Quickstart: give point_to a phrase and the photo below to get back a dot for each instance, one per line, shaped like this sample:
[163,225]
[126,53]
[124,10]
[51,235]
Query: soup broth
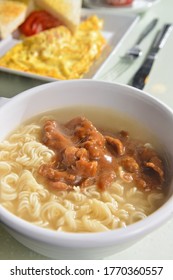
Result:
[27,194]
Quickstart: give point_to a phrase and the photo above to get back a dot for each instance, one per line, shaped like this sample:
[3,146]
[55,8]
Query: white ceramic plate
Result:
[115,30]
[138,6]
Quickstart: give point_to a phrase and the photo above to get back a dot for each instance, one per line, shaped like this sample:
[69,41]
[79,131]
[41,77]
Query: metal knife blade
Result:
[140,78]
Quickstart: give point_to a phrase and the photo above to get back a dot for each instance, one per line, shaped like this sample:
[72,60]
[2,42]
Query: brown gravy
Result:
[86,155]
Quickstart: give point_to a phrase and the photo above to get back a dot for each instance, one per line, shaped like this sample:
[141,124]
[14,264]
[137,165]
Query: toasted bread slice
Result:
[67,11]
[29,3]
[12,14]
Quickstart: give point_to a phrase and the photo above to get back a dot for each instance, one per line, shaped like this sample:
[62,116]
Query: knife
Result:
[140,78]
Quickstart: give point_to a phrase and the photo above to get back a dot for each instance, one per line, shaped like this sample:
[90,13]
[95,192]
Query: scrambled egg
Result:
[57,53]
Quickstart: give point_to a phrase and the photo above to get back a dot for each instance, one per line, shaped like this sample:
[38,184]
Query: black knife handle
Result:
[140,78]
[147,30]
[141,75]
[162,36]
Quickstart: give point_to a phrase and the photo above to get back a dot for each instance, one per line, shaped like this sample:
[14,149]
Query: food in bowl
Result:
[127,104]
[60,172]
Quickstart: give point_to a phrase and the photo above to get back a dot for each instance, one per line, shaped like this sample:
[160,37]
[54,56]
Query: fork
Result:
[136,51]
[131,54]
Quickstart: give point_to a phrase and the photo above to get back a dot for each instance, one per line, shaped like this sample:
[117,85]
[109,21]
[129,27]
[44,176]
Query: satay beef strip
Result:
[85,156]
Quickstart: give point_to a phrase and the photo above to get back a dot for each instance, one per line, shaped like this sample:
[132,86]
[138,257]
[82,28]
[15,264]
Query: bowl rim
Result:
[96,239]
[143,95]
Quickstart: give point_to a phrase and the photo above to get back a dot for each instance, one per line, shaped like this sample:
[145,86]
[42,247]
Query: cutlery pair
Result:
[140,78]
[136,50]
[133,53]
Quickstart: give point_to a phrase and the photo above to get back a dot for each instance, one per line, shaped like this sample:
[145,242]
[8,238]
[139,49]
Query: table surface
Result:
[159,244]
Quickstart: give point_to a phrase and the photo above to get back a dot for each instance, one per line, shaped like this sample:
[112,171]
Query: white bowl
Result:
[136,104]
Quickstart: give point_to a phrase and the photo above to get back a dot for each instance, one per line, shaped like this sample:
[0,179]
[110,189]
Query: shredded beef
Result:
[85,156]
